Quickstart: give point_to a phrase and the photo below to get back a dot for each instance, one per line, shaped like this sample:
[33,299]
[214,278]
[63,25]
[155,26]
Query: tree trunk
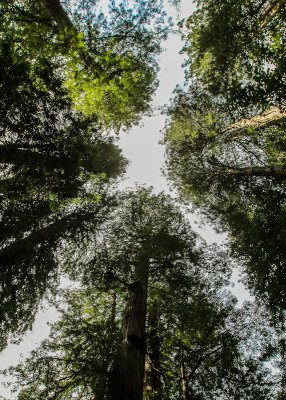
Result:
[152,381]
[277,170]
[186,393]
[185,380]
[57,12]
[70,33]
[126,380]
[268,118]
[269,13]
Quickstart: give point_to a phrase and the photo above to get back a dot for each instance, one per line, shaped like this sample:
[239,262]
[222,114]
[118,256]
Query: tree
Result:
[55,166]
[236,178]
[30,260]
[76,358]
[146,243]
[107,63]
[152,236]
[237,50]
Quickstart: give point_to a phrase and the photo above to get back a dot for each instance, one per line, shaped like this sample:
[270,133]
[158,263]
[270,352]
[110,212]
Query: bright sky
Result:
[141,147]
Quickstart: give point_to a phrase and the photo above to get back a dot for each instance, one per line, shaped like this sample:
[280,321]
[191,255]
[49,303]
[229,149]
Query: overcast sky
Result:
[141,147]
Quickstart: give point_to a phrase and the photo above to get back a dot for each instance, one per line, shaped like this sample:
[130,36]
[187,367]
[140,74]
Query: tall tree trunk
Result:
[276,170]
[70,33]
[185,381]
[152,381]
[273,116]
[126,380]
[57,12]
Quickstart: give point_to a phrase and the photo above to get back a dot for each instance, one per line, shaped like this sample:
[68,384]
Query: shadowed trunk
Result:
[58,13]
[153,374]
[126,380]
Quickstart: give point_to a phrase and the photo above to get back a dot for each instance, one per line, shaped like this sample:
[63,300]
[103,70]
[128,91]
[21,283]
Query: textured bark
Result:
[186,393]
[277,170]
[126,380]
[268,118]
[185,381]
[152,382]
[58,14]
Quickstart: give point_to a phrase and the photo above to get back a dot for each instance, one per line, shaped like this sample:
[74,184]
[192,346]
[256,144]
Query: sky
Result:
[140,145]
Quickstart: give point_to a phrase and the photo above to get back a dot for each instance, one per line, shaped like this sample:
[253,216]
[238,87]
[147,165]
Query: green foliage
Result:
[237,48]
[54,162]
[33,240]
[190,319]
[106,62]
[230,176]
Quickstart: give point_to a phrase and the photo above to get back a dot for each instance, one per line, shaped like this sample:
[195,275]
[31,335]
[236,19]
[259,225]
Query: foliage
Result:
[107,62]
[237,48]
[193,315]
[33,238]
[232,178]
[74,361]
[55,166]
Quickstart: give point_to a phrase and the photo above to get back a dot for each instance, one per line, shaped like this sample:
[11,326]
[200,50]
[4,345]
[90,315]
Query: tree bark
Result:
[276,170]
[70,33]
[186,393]
[269,13]
[273,116]
[152,381]
[185,381]
[57,12]
[126,380]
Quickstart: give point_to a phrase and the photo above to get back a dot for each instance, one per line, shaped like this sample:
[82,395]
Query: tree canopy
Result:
[70,73]
[192,335]
[150,316]
[236,177]
[237,48]
[225,133]
[106,60]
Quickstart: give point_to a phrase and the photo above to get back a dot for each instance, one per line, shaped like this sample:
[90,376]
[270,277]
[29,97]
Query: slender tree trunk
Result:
[185,381]
[152,381]
[186,393]
[269,13]
[277,170]
[126,380]
[274,116]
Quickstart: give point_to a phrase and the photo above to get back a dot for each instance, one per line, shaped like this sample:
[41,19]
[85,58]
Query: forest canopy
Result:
[225,134]
[146,311]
